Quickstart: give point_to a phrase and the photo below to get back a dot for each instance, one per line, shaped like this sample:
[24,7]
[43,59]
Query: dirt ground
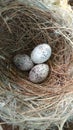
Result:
[71,2]
[9,127]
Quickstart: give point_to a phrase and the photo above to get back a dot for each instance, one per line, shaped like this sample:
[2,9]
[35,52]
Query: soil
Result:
[9,127]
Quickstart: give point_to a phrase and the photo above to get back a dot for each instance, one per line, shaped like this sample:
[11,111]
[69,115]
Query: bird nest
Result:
[22,102]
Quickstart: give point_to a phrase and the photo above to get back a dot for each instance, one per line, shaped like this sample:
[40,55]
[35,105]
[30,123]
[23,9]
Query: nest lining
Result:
[22,102]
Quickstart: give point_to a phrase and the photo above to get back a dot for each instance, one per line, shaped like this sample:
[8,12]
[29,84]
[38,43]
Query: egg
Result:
[39,73]
[23,62]
[41,53]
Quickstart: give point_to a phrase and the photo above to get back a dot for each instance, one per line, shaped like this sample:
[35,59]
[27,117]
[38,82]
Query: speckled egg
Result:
[23,62]
[39,73]
[41,53]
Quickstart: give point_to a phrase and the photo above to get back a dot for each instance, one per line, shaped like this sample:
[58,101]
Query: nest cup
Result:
[22,102]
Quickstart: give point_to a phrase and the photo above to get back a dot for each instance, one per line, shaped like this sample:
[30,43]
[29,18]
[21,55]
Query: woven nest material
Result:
[23,103]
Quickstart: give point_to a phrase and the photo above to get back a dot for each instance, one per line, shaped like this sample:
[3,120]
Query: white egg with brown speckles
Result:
[41,53]
[23,62]
[39,73]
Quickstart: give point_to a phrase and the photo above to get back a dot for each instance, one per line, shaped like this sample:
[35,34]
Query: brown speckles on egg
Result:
[23,62]
[39,73]
[41,53]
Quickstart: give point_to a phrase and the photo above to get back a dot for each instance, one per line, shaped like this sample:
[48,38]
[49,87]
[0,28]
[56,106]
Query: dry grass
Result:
[21,102]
